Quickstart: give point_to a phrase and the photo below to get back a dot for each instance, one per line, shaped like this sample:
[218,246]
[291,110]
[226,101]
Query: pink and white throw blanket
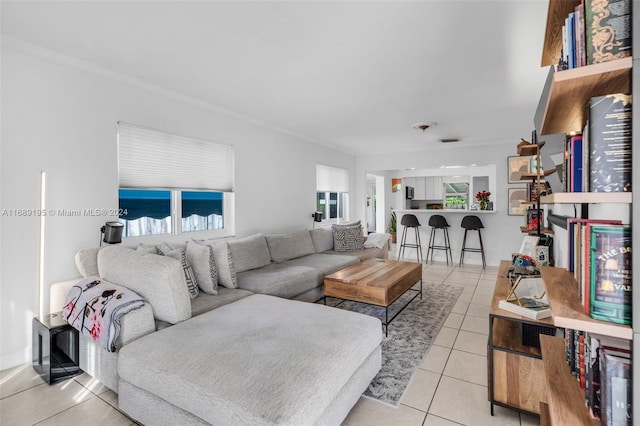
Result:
[94,307]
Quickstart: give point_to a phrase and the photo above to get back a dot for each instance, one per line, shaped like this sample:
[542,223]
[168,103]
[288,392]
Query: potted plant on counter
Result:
[483,199]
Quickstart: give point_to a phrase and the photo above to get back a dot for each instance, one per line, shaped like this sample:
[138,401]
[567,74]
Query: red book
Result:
[578,254]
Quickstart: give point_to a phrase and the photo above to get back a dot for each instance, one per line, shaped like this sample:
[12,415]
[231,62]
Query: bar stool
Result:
[410,221]
[472,223]
[438,221]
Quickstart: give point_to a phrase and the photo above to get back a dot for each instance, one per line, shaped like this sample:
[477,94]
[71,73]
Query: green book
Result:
[610,277]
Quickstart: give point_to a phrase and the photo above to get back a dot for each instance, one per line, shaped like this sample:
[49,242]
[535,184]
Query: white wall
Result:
[59,115]
[501,235]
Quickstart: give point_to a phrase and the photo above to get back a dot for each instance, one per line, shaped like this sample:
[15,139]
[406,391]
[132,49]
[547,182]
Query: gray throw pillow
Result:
[200,256]
[249,252]
[290,246]
[348,238]
[322,238]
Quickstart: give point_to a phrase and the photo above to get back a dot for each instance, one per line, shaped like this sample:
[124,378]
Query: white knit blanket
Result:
[377,240]
[94,307]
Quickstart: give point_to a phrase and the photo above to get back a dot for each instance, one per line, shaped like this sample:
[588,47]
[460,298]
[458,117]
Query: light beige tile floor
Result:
[449,387]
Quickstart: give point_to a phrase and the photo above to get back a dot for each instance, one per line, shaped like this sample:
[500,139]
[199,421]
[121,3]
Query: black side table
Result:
[55,348]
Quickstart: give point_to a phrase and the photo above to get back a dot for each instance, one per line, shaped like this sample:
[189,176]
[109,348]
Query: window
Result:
[456,195]
[332,197]
[202,211]
[172,184]
[148,212]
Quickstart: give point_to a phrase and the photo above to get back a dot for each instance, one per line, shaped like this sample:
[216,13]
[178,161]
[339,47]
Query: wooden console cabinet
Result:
[515,368]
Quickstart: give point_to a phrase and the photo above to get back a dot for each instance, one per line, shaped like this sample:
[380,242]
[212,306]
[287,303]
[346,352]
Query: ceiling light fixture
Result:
[449,140]
[423,126]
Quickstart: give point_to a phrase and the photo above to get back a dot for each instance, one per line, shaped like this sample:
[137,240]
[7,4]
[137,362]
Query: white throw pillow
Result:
[224,263]
[180,255]
[200,256]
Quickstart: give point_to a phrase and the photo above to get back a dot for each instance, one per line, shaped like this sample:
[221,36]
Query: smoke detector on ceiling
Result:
[423,126]
[449,140]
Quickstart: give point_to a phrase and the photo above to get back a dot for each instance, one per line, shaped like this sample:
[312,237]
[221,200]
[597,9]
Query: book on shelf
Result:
[595,31]
[584,356]
[574,254]
[534,310]
[610,143]
[578,254]
[569,347]
[532,215]
[528,297]
[585,158]
[615,387]
[610,273]
[575,155]
[575,166]
[608,30]
[580,36]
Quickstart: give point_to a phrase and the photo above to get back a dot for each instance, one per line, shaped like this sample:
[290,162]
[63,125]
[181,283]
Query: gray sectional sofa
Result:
[235,353]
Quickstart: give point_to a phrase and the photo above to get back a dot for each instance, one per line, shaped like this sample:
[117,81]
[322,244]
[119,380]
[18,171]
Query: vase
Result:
[483,204]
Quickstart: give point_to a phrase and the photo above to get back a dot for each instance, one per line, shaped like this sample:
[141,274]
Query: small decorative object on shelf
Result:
[528,297]
[483,199]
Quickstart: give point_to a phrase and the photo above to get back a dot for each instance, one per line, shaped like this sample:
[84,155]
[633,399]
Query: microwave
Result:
[409,192]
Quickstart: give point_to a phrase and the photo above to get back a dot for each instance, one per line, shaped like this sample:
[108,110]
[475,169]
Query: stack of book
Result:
[599,255]
[596,31]
[599,159]
[602,366]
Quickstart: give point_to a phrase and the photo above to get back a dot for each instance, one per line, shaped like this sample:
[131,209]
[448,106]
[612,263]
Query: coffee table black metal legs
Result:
[387,321]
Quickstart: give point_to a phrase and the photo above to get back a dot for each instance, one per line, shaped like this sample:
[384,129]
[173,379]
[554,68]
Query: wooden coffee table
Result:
[375,282]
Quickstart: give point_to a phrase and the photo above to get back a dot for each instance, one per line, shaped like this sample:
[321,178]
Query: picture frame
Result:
[396,184]
[515,196]
[516,166]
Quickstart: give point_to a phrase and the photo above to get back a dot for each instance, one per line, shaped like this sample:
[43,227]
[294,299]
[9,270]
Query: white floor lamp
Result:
[43,180]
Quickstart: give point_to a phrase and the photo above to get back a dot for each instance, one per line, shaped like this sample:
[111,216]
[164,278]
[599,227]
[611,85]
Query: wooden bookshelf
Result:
[545,231]
[587,198]
[534,176]
[516,371]
[564,397]
[566,108]
[526,150]
[567,311]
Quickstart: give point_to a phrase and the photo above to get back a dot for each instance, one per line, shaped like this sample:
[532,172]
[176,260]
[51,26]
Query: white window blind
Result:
[149,158]
[331,179]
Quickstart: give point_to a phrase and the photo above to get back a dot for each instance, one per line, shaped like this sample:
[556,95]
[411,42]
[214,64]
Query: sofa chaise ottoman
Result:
[261,360]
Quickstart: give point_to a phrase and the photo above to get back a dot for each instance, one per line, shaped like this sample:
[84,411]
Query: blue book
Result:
[571,40]
[576,164]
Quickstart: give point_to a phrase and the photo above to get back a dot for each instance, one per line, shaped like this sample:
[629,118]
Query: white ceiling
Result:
[349,74]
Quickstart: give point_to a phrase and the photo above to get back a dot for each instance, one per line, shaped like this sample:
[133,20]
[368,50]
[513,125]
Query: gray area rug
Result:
[410,335]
